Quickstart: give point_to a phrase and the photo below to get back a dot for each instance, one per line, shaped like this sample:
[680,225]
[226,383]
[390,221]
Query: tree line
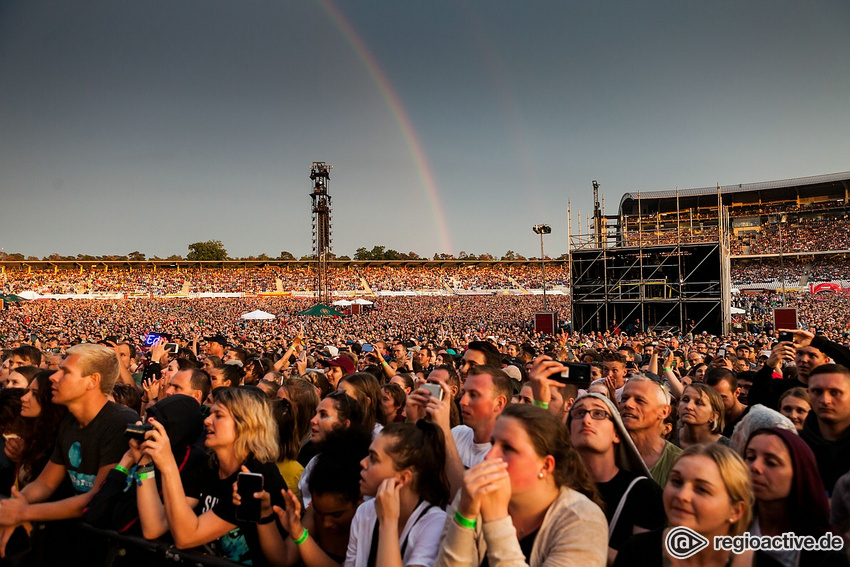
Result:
[214,250]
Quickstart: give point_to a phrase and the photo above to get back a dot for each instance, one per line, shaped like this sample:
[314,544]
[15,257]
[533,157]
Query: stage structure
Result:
[635,272]
[322,243]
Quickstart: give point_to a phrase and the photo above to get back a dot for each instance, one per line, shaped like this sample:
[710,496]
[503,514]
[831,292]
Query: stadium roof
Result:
[739,188]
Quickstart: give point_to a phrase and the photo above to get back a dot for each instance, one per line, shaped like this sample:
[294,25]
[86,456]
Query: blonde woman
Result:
[242,435]
[701,414]
[709,492]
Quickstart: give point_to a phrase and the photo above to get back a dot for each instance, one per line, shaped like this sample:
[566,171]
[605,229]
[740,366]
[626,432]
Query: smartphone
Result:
[721,352]
[247,484]
[786,336]
[435,389]
[367,348]
[33,338]
[173,348]
[576,373]
[667,352]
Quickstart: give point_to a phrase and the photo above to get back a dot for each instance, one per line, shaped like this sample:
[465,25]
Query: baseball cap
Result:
[217,339]
[343,362]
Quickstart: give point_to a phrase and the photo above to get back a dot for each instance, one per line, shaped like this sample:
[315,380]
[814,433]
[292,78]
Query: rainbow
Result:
[400,114]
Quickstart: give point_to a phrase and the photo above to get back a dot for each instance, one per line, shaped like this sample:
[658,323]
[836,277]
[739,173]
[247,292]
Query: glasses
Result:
[595,414]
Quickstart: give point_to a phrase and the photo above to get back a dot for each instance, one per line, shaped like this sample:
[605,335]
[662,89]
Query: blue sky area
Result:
[451,125]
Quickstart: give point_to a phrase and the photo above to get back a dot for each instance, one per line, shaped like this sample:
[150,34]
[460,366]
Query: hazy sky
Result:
[451,125]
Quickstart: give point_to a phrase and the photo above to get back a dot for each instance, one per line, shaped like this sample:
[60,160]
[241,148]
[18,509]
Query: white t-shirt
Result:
[471,453]
[422,531]
[306,497]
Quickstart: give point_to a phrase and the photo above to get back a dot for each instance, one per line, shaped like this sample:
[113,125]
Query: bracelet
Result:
[121,469]
[668,368]
[267,520]
[384,363]
[148,468]
[465,522]
[538,403]
[147,475]
[303,537]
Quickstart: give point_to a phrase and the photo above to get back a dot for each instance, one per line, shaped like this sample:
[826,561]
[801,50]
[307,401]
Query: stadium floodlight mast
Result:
[542,229]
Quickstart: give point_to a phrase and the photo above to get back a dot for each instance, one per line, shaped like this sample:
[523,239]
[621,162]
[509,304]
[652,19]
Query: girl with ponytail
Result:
[405,472]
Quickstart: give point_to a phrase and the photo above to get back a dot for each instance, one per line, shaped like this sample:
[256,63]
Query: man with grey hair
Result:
[90,441]
[644,406]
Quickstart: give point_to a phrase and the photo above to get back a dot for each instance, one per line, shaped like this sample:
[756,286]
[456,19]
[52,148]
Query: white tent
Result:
[258,314]
[29,295]
[737,311]
[342,302]
[361,301]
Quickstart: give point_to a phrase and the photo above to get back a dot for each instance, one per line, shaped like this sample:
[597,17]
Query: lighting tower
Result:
[321,200]
[542,229]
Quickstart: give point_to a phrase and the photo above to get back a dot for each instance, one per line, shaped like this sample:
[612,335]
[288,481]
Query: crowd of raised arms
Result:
[423,431]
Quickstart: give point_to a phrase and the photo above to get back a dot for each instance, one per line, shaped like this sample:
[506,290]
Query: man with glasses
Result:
[632,499]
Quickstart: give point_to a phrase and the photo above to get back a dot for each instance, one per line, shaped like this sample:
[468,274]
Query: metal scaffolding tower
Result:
[321,204]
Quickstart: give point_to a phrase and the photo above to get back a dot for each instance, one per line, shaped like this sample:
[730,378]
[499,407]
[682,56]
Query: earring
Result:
[540,474]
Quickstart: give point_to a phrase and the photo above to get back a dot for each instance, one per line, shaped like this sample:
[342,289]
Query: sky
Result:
[450,125]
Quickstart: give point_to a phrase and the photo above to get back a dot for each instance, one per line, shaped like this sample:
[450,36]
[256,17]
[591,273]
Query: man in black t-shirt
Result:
[89,443]
[632,499]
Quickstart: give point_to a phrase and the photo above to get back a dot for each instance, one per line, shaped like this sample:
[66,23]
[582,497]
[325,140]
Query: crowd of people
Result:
[251,280]
[171,281]
[427,431]
[803,235]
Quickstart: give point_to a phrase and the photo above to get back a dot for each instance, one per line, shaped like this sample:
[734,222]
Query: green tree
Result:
[136,256]
[286,255]
[209,250]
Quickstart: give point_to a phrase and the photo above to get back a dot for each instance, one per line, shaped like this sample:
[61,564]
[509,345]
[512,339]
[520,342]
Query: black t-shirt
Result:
[643,507]
[83,450]
[214,494]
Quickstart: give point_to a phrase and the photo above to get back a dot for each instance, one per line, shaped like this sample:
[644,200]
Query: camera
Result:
[137,431]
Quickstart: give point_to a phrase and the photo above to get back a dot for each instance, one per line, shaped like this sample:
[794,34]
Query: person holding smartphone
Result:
[242,435]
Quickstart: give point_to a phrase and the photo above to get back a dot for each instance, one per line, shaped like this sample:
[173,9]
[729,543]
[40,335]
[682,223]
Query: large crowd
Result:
[374,279]
[425,430]
[804,235]
[252,280]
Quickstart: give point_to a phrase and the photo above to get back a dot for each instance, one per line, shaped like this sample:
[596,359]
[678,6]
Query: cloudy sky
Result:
[451,125]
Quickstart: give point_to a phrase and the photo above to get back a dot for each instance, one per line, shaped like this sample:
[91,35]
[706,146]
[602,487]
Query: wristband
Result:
[384,363]
[267,520]
[538,403]
[668,368]
[303,537]
[465,522]
[121,469]
[147,475]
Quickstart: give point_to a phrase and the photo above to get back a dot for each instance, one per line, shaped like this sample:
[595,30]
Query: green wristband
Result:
[465,522]
[124,470]
[538,403]
[147,475]
[303,537]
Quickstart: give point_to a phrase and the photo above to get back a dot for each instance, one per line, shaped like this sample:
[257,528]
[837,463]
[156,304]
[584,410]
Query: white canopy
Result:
[29,295]
[737,311]
[361,301]
[342,302]
[258,314]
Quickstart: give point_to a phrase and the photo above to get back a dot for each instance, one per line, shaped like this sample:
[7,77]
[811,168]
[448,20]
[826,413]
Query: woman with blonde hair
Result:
[708,492]
[701,413]
[242,435]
